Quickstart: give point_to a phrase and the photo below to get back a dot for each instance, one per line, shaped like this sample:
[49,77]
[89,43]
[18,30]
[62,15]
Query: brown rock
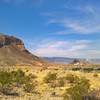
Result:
[13,52]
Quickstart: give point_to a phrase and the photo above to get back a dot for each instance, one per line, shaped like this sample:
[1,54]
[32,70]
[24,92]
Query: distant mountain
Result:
[96,61]
[65,60]
[13,52]
[60,60]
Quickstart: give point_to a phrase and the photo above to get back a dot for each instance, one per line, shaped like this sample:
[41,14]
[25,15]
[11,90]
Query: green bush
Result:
[50,77]
[71,78]
[93,95]
[7,79]
[29,87]
[61,82]
[78,90]
[88,69]
[19,77]
[32,76]
[76,69]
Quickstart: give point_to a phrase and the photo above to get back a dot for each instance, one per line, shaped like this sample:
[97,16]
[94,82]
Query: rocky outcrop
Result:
[80,62]
[6,40]
[13,52]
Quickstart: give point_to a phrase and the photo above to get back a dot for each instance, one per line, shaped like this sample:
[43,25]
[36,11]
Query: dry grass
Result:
[44,91]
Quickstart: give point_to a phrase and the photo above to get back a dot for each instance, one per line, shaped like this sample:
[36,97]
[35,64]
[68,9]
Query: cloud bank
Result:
[76,48]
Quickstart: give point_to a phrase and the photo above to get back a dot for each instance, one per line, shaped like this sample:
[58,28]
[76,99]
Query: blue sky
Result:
[66,28]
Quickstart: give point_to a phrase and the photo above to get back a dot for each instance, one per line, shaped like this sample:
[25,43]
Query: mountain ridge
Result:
[66,60]
[13,52]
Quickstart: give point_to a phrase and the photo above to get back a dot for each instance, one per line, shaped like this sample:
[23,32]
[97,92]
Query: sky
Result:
[54,28]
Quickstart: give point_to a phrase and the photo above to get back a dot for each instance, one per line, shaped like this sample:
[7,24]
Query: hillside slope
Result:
[13,52]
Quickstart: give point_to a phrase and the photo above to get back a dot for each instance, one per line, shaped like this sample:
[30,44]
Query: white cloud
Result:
[77,19]
[77,26]
[76,48]
[86,9]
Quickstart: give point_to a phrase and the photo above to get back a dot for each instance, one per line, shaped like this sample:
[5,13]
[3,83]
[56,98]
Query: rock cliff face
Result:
[13,52]
[80,62]
[11,40]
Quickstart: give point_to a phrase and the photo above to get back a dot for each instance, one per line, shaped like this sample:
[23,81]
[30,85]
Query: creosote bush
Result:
[95,75]
[71,78]
[8,79]
[94,95]
[61,82]
[50,77]
[29,87]
[5,82]
[78,90]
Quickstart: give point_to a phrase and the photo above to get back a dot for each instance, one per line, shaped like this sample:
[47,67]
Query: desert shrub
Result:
[61,82]
[97,69]
[88,69]
[8,79]
[95,75]
[19,77]
[53,94]
[71,78]
[5,81]
[50,77]
[5,89]
[76,69]
[93,95]
[78,90]
[27,70]
[5,78]
[8,90]
[33,76]
[29,87]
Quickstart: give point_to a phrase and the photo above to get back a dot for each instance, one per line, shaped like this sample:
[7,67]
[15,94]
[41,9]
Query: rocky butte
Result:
[13,52]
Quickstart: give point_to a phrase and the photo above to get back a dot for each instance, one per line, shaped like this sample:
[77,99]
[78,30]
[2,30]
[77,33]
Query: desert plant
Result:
[53,94]
[18,78]
[5,78]
[88,69]
[33,76]
[50,77]
[95,75]
[76,68]
[93,95]
[29,87]
[5,82]
[78,90]
[61,82]
[71,78]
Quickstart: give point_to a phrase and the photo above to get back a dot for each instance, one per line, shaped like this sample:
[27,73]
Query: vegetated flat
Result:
[51,90]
